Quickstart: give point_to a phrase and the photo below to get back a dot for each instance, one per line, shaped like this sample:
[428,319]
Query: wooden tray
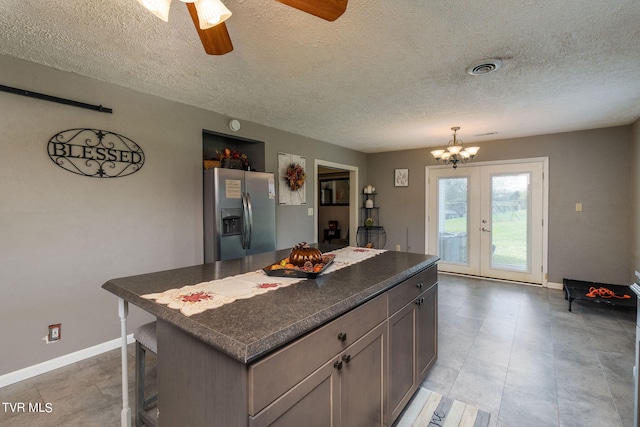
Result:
[290,272]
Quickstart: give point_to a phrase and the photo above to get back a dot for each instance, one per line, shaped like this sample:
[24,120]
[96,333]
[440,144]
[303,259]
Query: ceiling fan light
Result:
[159,8]
[211,13]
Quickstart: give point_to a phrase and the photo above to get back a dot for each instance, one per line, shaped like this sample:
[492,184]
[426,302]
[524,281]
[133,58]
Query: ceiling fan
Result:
[209,15]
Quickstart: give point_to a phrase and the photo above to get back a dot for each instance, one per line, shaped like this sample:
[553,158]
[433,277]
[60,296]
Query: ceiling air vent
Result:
[484,67]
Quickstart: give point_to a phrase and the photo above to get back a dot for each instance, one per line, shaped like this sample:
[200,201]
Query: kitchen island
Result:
[347,348]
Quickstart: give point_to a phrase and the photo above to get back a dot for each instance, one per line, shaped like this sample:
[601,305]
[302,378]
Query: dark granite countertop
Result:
[249,328]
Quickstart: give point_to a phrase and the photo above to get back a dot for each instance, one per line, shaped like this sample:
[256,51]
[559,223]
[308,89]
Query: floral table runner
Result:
[194,299]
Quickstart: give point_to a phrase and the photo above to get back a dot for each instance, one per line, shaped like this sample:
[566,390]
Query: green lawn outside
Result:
[509,234]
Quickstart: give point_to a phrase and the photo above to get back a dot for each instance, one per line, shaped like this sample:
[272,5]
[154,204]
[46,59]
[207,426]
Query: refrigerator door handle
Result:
[243,238]
[250,214]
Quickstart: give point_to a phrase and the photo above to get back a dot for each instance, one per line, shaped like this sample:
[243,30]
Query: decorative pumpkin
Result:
[302,253]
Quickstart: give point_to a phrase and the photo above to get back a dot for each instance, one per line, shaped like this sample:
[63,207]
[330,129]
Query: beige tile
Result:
[11,397]
[65,386]
[82,399]
[106,416]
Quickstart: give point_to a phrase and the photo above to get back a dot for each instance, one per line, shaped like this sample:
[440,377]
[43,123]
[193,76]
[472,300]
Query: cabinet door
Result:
[401,359]
[314,402]
[426,331]
[362,380]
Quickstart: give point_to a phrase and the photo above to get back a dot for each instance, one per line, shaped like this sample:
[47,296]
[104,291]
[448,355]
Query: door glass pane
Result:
[452,220]
[510,208]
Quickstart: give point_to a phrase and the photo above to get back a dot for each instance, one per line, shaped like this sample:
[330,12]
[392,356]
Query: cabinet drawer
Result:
[406,291]
[271,377]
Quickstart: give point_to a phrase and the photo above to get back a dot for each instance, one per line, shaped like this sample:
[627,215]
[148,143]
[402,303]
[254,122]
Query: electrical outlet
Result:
[398,248]
[55,332]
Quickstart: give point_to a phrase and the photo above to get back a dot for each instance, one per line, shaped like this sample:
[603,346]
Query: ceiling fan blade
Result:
[325,9]
[215,40]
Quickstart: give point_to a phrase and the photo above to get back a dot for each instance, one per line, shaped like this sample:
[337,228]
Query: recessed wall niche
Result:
[213,142]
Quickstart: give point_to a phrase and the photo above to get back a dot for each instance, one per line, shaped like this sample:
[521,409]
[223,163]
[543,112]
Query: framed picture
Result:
[401,178]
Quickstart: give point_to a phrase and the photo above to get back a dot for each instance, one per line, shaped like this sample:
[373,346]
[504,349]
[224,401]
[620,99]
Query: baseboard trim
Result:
[553,285]
[59,362]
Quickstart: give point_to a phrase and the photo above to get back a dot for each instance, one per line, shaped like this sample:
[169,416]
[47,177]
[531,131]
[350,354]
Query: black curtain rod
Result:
[44,97]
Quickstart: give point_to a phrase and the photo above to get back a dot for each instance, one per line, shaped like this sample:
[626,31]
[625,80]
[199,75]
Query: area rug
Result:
[431,409]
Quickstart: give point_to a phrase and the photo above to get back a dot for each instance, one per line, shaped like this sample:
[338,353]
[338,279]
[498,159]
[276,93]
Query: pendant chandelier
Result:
[454,152]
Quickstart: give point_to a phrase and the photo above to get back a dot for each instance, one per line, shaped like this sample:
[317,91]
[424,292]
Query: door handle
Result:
[250,215]
[485,229]
[244,222]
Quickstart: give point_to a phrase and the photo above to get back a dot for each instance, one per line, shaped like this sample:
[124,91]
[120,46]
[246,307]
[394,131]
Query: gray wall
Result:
[635,200]
[590,245]
[64,235]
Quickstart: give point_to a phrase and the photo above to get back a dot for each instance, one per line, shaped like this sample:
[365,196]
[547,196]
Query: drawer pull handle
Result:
[338,365]
[342,336]
[346,358]
[420,301]
[420,285]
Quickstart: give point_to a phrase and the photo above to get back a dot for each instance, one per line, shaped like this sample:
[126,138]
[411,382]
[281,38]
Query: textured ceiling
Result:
[387,75]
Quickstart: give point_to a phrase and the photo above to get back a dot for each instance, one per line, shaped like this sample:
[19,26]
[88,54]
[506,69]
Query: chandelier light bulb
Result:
[472,150]
[437,154]
[454,149]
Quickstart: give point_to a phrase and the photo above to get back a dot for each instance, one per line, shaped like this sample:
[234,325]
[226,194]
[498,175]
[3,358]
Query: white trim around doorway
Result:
[353,197]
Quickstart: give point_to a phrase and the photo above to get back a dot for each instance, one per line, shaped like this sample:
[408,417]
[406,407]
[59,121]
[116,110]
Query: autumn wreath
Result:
[295,176]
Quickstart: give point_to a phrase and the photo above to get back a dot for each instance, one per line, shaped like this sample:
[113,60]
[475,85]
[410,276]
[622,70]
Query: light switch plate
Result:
[578,207]
[310,211]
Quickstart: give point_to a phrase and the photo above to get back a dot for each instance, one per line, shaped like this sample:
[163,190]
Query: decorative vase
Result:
[368,203]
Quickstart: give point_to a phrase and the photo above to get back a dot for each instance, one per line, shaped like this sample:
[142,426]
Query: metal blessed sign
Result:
[96,153]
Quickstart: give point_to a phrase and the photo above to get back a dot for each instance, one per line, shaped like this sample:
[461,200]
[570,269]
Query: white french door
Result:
[487,220]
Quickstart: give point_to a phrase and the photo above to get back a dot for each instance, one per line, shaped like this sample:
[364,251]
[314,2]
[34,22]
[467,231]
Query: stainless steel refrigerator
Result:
[239,213]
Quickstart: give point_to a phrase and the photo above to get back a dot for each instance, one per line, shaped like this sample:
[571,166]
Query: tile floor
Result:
[513,350]
[517,352]
[84,394]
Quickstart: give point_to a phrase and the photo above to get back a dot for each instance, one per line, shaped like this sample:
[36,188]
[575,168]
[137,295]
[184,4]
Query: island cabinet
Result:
[334,376]
[346,349]
[412,337]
